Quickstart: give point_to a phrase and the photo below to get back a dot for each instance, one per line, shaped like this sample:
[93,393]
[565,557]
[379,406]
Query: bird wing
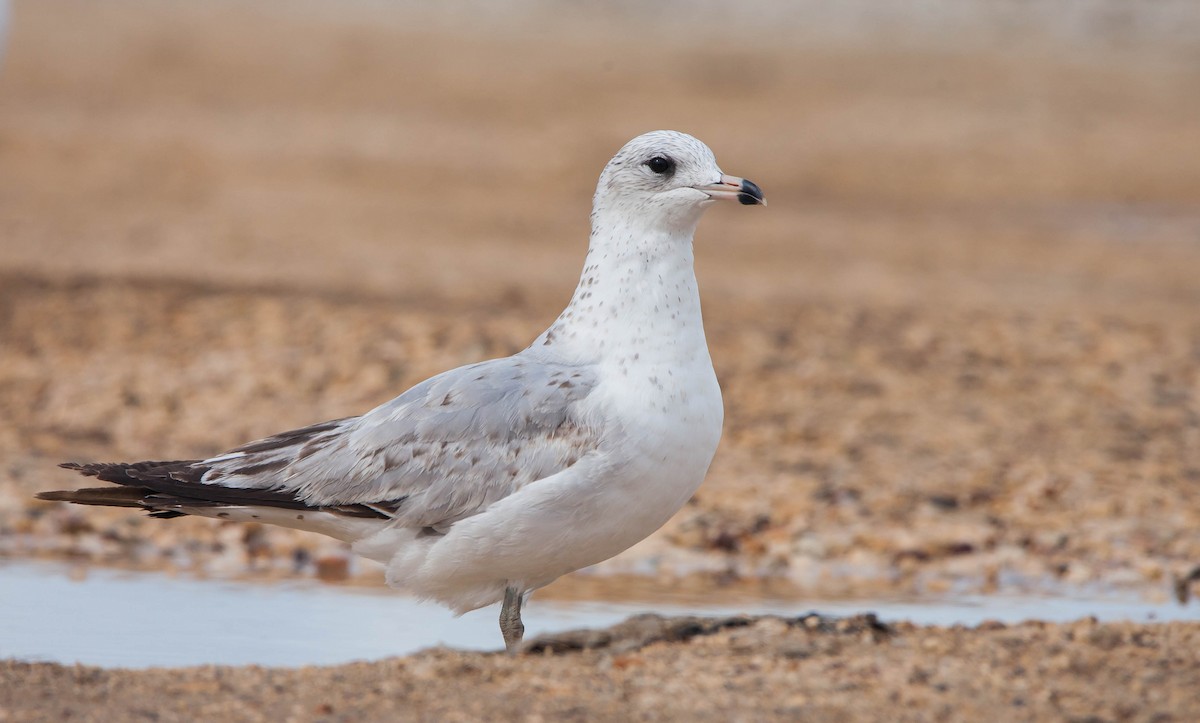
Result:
[442,451]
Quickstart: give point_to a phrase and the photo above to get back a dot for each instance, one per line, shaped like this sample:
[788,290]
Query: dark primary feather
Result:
[105,496]
[442,451]
[163,487]
[447,448]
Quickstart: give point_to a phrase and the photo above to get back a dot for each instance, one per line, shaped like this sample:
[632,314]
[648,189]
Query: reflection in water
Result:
[123,619]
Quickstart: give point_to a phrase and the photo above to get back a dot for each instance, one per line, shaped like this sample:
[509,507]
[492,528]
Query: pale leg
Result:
[511,626]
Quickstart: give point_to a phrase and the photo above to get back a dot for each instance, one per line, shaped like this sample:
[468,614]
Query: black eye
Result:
[661,165]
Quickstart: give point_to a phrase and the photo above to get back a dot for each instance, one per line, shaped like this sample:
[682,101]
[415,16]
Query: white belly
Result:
[607,502]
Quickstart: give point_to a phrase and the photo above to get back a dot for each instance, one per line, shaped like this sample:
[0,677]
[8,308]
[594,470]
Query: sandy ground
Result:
[959,350]
[648,669]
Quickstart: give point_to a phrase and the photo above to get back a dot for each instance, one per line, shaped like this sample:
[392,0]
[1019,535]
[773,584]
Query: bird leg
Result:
[511,626]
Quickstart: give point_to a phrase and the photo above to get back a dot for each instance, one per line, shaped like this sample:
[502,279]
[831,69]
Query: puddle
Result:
[136,620]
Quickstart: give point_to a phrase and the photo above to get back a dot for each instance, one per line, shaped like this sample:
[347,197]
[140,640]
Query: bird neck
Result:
[636,302]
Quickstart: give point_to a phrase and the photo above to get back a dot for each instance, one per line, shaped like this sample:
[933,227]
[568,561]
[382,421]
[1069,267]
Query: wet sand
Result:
[673,669]
[959,350]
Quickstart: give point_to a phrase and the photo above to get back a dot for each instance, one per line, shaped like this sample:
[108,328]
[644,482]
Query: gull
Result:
[487,482]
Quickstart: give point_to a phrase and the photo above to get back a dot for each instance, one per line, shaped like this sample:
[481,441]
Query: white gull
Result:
[489,481]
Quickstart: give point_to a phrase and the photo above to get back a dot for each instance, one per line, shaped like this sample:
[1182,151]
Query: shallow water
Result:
[135,620]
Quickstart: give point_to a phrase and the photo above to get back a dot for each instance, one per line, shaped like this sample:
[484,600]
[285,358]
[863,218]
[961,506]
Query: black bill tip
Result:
[751,194]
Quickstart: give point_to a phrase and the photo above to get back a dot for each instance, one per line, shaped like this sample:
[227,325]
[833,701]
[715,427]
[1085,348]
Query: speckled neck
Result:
[636,302]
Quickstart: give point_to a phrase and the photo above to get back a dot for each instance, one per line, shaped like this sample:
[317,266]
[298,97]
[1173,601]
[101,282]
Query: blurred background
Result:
[407,149]
[960,347]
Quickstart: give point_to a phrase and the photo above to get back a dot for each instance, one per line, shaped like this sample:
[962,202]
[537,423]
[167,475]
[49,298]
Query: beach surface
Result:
[960,349]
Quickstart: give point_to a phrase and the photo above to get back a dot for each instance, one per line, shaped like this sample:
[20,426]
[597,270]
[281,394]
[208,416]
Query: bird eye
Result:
[661,165]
